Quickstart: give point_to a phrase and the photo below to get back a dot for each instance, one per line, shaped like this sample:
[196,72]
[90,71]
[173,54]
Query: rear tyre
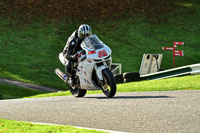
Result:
[76,89]
[109,88]
[77,92]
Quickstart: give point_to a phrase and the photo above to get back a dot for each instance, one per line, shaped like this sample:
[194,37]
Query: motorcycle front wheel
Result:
[109,87]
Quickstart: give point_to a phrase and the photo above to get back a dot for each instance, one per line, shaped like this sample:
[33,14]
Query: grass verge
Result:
[13,92]
[8,126]
[176,83]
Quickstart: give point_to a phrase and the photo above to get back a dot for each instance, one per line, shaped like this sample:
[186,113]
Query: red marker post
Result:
[178,53]
[175,52]
[178,43]
[168,48]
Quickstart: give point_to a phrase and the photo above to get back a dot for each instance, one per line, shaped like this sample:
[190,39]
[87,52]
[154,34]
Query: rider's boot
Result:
[70,78]
[70,81]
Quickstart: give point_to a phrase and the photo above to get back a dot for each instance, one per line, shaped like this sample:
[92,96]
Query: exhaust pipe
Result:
[61,75]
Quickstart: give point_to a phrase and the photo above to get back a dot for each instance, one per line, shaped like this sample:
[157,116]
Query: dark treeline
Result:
[83,9]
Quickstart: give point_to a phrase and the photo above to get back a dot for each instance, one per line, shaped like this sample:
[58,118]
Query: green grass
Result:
[29,51]
[7,126]
[176,83]
[13,92]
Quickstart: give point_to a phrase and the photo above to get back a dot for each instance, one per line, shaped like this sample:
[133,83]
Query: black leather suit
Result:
[71,48]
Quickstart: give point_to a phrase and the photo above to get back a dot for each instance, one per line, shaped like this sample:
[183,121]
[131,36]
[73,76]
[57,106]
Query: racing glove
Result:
[71,57]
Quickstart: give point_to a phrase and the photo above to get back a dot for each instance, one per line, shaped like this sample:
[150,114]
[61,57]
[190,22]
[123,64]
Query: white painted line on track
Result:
[110,131]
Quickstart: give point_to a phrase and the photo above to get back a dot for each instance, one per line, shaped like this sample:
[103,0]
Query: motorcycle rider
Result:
[73,46]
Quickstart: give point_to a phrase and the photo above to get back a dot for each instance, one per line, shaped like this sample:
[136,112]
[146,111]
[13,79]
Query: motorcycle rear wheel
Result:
[77,92]
[109,88]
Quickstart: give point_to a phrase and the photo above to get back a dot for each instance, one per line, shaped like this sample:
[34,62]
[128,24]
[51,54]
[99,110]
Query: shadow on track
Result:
[131,97]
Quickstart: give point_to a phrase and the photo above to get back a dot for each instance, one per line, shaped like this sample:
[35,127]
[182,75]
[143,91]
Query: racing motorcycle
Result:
[92,70]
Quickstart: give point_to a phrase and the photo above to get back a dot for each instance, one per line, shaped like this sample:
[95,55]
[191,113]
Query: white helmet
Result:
[84,30]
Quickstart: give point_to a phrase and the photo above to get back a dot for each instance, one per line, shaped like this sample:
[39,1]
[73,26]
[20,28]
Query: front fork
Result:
[99,72]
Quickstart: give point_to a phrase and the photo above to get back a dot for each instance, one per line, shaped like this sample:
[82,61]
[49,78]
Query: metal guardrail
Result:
[185,70]
[1,96]
[116,68]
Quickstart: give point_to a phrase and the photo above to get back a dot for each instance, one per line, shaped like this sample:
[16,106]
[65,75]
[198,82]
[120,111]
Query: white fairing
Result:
[97,56]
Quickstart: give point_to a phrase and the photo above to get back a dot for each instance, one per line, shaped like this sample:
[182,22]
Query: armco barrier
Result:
[185,70]
[1,96]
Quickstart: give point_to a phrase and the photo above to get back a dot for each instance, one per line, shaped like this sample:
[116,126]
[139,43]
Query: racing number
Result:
[102,53]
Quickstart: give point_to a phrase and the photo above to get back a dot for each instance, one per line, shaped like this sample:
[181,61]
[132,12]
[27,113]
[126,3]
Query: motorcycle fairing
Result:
[92,61]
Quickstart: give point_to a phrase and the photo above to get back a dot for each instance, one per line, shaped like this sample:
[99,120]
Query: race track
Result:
[155,112]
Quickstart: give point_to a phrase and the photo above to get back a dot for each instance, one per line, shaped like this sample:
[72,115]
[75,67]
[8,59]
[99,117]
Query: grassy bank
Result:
[29,50]
[13,92]
[7,126]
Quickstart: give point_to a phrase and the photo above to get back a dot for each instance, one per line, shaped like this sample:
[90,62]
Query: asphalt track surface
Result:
[155,112]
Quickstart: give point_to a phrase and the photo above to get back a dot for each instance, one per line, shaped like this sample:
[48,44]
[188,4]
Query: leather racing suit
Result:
[71,48]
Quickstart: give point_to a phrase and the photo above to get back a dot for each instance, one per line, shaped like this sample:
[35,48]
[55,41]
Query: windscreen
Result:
[92,42]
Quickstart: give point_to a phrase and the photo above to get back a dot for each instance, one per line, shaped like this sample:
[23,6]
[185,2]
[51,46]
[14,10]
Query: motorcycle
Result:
[92,70]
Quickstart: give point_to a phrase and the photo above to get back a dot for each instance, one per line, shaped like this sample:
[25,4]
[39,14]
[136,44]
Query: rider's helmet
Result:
[84,30]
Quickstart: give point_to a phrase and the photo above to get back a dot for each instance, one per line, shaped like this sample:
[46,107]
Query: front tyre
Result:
[109,87]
